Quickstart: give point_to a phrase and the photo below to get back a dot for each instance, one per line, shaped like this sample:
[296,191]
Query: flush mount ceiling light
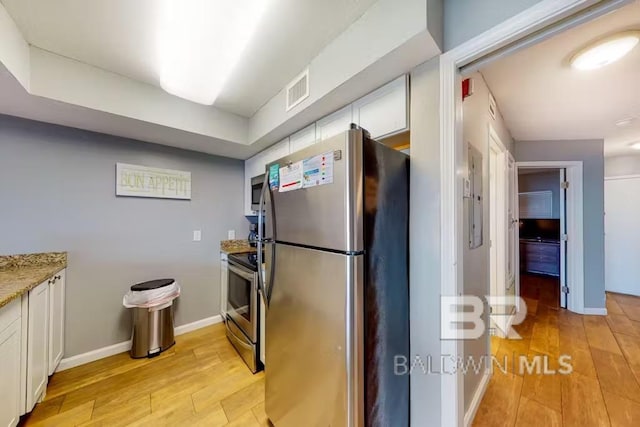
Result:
[625,122]
[199,43]
[636,145]
[605,51]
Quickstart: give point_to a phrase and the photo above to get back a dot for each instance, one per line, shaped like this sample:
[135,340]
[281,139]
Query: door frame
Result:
[522,26]
[500,234]
[575,230]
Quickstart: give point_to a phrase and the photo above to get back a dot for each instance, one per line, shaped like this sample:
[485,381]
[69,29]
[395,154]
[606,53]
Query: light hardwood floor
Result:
[199,381]
[602,390]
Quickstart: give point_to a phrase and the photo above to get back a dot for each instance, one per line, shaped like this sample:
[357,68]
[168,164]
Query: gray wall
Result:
[57,187]
[465,19]
[590,152]
[425,238]
[622,165]
[542,181]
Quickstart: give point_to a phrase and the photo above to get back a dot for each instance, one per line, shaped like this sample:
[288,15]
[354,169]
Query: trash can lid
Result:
[152,284]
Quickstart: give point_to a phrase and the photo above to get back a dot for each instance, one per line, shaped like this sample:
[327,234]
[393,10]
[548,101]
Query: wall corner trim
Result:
[477,397]
[101,353]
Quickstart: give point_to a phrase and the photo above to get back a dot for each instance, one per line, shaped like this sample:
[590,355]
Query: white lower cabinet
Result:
[10,363]
[37,344]
[56,320]
[224,281]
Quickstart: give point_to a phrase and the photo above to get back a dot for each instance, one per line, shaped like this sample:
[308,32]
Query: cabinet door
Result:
[384,111]
[303,138]
[56,321]
[224,281]
[10,339]
[37,344]
[334,123]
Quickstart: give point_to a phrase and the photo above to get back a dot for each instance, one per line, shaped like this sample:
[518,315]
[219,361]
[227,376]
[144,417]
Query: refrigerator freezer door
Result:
[314,336]
[325,216]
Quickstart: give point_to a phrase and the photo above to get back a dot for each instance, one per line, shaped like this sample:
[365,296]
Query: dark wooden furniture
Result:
[541,257]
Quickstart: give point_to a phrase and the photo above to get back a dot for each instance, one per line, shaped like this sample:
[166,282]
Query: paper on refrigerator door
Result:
[291,177]
[318,170]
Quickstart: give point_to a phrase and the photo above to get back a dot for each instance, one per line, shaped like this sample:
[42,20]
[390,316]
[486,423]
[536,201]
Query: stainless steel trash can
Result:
[152,326]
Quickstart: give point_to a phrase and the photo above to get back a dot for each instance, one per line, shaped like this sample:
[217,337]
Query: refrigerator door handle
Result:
[271,270]
[260,242]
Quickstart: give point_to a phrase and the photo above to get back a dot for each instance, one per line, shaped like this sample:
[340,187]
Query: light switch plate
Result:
[197,235]
[231,234]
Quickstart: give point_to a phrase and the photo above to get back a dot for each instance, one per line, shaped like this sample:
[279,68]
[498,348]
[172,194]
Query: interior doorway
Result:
[550,233]
[541,228]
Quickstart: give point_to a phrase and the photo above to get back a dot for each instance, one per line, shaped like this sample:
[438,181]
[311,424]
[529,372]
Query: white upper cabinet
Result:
[281,149]
[384,111]
[303,138]
[334,123]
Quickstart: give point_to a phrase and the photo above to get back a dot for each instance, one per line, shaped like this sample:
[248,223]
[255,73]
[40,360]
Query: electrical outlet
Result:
[231,234]
[197,235]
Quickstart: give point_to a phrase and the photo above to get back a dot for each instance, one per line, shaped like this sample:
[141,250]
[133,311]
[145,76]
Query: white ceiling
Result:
[542,98]
[120,36]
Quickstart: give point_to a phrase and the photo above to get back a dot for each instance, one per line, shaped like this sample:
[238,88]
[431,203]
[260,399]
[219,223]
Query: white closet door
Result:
[622,235]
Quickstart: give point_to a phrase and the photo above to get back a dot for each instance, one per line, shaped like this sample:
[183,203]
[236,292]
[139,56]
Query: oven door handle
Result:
[241,273]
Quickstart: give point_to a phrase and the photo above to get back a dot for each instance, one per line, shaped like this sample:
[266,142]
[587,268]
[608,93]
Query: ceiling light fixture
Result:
[636,146]
[201,41]
[605,51]
[625,122]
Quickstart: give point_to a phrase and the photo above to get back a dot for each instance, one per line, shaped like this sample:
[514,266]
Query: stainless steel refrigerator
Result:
[336,284]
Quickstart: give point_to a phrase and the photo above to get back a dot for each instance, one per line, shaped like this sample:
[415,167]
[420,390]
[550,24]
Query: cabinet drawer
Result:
[9,313]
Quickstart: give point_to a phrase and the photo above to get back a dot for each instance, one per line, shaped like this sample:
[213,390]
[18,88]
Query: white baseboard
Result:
[477,398]
[189,327]
[595,311]
[101,353]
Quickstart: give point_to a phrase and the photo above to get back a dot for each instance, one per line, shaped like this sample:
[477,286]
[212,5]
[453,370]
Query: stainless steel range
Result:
[243,305]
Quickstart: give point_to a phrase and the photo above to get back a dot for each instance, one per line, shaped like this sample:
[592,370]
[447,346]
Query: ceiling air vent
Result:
[298,90]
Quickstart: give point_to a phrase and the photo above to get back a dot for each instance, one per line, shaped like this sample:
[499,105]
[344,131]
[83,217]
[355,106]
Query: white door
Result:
[513,254]
[10,374]
[56,319]
[37,344]
[564,287]
[622,235]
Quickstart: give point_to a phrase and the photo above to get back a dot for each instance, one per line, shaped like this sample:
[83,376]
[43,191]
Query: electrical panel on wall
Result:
[476,200]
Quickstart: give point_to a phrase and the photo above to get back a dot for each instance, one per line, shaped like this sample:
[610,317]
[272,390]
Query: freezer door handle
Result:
[261,238]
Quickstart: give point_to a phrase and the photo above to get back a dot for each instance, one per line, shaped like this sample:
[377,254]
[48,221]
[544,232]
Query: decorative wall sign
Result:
[142,181]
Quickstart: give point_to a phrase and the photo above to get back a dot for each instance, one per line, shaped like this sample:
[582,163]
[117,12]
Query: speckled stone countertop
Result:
[21,273]
[236,246]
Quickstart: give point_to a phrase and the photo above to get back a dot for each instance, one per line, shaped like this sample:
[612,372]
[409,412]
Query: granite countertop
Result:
[236,246]
[21,273]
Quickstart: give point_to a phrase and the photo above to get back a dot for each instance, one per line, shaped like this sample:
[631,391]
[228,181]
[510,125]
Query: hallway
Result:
[602,390]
